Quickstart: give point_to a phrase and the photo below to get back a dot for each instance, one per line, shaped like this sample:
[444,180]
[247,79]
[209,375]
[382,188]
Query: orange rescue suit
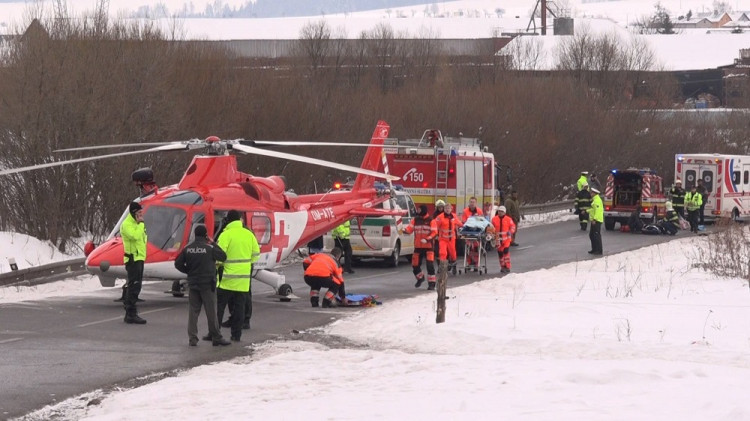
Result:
[447,226]
[323,265]
[423,230]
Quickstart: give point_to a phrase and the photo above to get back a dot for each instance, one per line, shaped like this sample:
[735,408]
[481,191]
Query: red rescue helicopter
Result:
[212,185]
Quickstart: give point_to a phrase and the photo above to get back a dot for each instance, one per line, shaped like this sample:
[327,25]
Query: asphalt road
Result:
[58,348]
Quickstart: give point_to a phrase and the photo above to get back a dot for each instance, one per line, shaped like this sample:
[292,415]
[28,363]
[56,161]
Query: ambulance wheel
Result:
[392,260]
[735,215]
[609,224]
[286,291]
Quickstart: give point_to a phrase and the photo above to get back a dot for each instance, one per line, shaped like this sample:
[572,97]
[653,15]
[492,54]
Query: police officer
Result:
[703,191]
[582,179]
[424,236]
[341,238]
[596,216]
[583,204]
[693,202]
[198,260]
[323,270]
[241,247]
[133,231]
[677,194]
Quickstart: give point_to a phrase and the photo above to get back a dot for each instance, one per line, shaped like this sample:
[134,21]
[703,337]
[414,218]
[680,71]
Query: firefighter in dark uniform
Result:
[583,204]
[671,221]
[198,260]
[424,237]
[677,194]
[134,239]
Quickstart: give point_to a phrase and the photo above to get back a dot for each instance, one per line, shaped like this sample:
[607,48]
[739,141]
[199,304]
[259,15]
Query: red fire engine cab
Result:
[631,189]
[453,169]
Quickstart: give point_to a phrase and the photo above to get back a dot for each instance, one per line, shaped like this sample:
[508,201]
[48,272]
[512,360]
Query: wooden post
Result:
[442,280]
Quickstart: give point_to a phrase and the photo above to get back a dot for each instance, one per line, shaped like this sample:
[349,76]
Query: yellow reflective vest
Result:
[133,239]
[581,180]
[693,201]
[342,231]
[242,250]
[596,213]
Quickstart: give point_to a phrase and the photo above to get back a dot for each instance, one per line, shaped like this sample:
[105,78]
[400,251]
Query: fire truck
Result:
[726,178]
[631,189]
[453,169]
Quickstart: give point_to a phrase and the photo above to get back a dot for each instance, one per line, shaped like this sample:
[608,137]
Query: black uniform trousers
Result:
[345,245]
[134,270]
[595,235]
[236,300]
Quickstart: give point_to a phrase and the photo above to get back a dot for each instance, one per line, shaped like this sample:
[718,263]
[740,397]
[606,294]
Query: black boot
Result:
[419,282]
[328,303]
[132,317]
[314,301]
[431,286]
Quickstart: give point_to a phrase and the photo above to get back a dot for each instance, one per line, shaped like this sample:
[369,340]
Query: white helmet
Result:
[502,209]
[439,203]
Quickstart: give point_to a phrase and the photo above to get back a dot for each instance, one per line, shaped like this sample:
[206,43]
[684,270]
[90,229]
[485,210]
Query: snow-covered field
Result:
[640,335]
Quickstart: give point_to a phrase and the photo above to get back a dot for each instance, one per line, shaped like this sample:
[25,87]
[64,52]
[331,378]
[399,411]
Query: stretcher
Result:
[477,241]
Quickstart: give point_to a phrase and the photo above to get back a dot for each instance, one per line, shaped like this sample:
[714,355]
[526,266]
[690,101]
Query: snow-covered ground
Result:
[640,335]
[28,251]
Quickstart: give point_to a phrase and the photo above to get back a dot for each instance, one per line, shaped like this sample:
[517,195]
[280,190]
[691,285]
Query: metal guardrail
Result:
[45,273]
[547,207]
[75,267]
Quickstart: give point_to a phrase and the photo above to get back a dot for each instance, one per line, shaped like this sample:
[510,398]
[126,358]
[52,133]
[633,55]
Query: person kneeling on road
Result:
[198,260]
[323,270]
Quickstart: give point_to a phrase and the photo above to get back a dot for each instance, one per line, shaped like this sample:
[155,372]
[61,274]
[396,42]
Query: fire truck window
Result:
[165,226]
[747,177]
[198,219]
[736,177]
[261,227]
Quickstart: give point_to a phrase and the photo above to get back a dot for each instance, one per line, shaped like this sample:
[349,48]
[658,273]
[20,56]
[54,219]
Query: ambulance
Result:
[453,169]
[727,179]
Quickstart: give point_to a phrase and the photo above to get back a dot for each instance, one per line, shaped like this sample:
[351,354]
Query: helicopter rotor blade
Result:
[122,145]
[298,143]
[314,161]
[168,147]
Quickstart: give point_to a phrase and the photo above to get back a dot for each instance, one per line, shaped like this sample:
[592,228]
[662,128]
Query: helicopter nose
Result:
[102,258]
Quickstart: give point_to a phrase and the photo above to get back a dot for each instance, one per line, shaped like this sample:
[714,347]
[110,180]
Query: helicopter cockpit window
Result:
[219,222]
[165,227]
[186,197]
[261,227]
[198,219]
